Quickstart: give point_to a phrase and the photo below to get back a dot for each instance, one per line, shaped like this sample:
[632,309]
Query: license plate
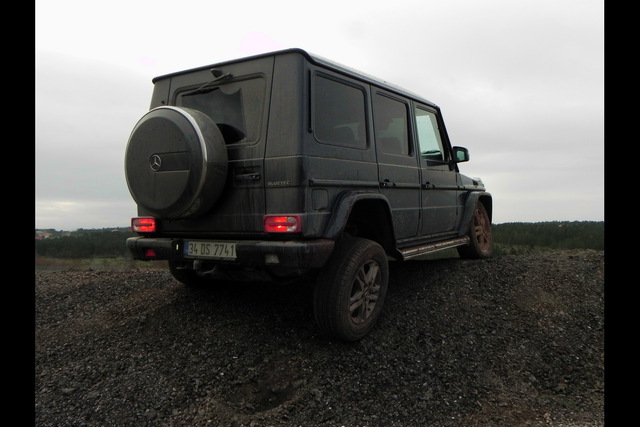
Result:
[214,250]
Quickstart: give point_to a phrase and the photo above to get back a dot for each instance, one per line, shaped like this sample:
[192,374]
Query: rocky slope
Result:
[510,341]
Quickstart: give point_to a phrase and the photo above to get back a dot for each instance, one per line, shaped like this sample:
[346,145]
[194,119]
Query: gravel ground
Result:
[511,341]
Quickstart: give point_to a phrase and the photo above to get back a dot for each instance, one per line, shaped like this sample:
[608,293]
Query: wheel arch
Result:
[474,198]
[366,215]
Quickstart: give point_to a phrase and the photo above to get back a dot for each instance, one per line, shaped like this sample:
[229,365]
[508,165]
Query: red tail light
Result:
[282,224]
[145,224]
[150,253]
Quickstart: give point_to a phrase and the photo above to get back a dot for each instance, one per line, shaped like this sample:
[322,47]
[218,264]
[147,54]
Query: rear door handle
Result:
[427,185]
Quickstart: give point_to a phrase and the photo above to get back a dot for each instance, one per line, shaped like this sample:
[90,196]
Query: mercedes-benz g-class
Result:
[285,163]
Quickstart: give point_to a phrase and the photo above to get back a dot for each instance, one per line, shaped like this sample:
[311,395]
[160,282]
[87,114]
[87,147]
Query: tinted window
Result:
[236,107]
[339,113]
[391,125]
[429,136]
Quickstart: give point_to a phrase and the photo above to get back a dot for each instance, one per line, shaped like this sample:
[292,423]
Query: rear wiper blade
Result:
[206,87]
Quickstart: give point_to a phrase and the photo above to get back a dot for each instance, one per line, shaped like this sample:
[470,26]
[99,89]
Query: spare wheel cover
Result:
[176,162]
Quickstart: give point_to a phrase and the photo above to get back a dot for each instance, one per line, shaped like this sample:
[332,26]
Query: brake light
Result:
[282,224]
[143,224]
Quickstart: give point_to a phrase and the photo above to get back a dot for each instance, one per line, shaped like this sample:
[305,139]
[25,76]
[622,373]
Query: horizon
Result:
[493,223]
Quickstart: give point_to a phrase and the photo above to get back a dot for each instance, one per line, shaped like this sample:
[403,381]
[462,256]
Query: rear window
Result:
[235,106]
[339,113]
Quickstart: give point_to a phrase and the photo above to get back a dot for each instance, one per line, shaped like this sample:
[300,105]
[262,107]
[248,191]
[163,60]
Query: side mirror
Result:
[460,154]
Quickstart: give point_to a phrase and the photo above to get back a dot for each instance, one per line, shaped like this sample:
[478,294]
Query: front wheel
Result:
[351,289]
[481,239]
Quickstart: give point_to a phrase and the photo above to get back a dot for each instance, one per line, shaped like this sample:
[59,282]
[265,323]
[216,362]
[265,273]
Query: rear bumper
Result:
[291,254]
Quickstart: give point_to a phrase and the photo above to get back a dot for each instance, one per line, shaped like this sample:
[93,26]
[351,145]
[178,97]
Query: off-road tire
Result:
[350,290]
[481,239]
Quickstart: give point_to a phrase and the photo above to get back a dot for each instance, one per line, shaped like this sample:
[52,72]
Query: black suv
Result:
[285,163]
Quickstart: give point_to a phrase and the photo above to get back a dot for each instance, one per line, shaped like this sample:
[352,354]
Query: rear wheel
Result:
[481,239]
[351,289]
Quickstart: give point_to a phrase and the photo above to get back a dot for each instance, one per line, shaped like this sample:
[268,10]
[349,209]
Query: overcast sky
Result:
[520,84]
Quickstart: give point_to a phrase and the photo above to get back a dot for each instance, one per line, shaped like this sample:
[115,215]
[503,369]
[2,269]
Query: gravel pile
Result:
[510,341]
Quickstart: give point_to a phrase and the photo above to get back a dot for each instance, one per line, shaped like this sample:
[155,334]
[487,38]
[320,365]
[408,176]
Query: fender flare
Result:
[344,206]
[474,198]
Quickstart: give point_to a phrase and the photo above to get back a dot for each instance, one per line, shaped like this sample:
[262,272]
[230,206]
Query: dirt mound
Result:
[511,341]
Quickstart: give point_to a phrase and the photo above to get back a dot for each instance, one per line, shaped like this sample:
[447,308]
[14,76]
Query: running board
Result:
[433,247]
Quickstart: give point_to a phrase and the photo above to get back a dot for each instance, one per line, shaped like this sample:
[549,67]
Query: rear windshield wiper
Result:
[205,88]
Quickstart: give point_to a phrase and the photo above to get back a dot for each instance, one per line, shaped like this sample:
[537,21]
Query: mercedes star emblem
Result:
[155,162]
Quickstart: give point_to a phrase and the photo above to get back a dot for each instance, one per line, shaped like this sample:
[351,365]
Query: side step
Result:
[416,251]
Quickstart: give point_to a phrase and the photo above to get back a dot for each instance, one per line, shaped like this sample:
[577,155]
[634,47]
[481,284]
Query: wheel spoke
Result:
[364,295]
[480,229]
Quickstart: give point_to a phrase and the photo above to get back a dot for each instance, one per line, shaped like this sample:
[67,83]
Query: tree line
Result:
[515,237]
[550,235]
[85,243]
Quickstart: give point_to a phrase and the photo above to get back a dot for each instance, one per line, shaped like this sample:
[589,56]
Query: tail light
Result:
[144,224]
[150,253]
[282,224]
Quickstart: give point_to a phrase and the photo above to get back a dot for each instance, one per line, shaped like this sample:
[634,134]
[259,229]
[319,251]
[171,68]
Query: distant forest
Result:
[518,237]
[509,238]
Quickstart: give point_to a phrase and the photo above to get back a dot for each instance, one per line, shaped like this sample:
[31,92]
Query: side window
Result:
[391,125]
[429,136]
[339,113]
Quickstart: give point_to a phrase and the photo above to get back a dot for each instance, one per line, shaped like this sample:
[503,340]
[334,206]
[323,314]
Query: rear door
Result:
[238,103]
[398,171]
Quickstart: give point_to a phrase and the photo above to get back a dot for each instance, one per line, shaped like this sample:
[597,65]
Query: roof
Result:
[317,60]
